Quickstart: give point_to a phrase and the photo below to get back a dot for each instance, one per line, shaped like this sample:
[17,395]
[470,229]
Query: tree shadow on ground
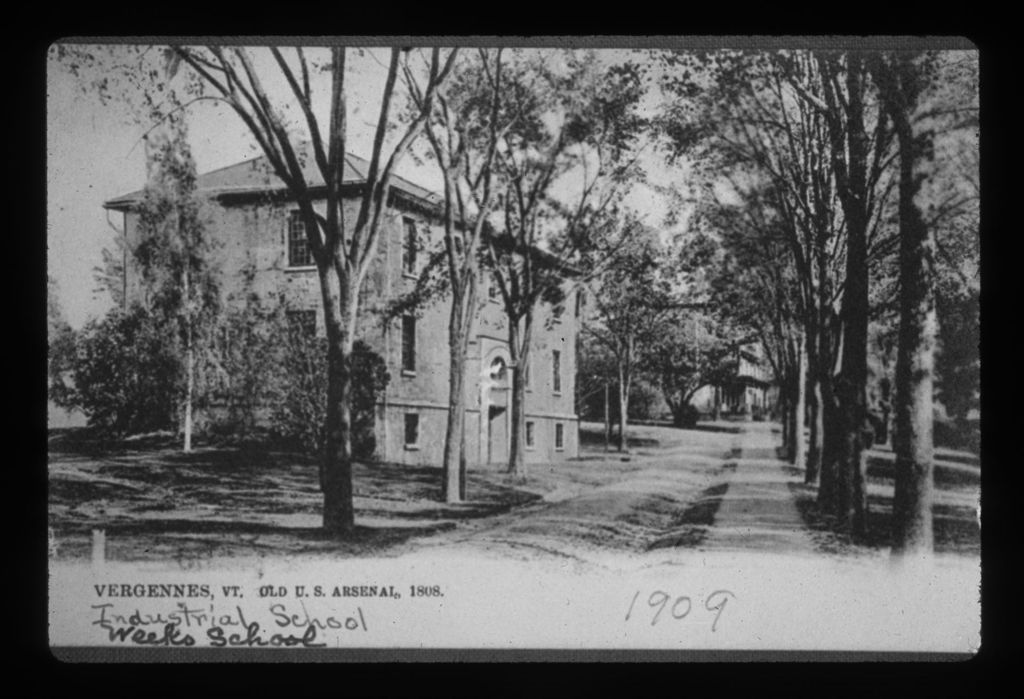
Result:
[956,527]
[947,475]
[151,502]
[690,529]
[590,438]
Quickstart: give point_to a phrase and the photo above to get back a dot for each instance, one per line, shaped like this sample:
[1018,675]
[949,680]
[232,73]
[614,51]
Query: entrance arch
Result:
[495,406]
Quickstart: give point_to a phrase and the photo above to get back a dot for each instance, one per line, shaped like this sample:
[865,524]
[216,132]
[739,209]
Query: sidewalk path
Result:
[758,511]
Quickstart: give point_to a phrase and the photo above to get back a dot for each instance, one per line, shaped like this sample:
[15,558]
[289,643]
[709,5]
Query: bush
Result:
[686,416]
[645,401]
[124,373]
[300,404]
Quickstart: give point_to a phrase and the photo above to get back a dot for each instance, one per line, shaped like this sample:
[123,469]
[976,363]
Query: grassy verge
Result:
[955,514]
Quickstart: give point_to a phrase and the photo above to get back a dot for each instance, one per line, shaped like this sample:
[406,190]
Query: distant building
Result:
[751,390]
[261,248]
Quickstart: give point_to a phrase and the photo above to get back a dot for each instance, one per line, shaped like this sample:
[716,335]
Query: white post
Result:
[99,547]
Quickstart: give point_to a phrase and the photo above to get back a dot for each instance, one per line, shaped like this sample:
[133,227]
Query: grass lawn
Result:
[156,503]
[955,507]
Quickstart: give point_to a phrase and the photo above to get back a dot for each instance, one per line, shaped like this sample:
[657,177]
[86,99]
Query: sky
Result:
[95,153]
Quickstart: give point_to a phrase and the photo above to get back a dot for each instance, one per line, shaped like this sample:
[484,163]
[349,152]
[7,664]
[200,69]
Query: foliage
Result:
[109,276]
[646,401]
[958,360]
[690,351]
[685,416]
[173,252]
[124,372]
[247,355]
[60,349]
[577,121]
[300,392]
[632,295]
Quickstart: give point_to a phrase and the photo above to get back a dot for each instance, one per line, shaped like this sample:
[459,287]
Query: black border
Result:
[940,679]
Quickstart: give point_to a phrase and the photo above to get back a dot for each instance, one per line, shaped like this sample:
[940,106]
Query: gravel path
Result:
[757,511]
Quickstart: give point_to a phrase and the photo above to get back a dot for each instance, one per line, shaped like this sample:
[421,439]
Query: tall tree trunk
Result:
[456,425]
[787,426]
[189,363]
[851,501]
[816,421]
[623,407]
[336,463]
[827,488]
[463,302]
[519,352]
[718,403]
[912,437]
[798,436]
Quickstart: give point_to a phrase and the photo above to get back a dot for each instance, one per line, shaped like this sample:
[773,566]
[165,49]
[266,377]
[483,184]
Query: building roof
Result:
[256,176]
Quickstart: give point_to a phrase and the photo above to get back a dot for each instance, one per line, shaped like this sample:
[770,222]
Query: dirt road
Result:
[729,492]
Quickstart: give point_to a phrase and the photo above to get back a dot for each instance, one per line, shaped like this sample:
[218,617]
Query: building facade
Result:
[260,248]
[750,392]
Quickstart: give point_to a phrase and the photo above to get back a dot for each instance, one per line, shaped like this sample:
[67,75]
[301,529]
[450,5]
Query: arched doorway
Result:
[496,396]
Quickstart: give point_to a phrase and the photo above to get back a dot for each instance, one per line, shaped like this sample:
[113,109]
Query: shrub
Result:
[300,401]
[124,373]
[686,416]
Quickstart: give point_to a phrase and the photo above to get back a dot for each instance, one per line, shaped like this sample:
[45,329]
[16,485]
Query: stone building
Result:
[260,248]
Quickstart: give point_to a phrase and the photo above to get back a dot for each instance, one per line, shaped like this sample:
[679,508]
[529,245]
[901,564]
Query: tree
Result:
[342,250]
[60,349]
[901,79]
[738,114]
[630,298]
[808,130]
[470,117]
[931,99]
[688,353]
[957,359]
[299,395]
[578,122]
[172,255]
[860,136]
[758,293]
[110,275]
[124,372]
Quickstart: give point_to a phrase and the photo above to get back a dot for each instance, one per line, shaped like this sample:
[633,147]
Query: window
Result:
[559,436]
[580,302]
[409,344]
[493,292]
[299,254]
[556,367]
[499,372]
[412,430]
[529,435]
[409,247]
[302,323]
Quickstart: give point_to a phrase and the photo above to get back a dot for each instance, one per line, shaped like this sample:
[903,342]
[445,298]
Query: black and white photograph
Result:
[580,345]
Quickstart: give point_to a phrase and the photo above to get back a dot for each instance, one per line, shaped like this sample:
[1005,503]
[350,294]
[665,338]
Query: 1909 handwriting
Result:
[680,607]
